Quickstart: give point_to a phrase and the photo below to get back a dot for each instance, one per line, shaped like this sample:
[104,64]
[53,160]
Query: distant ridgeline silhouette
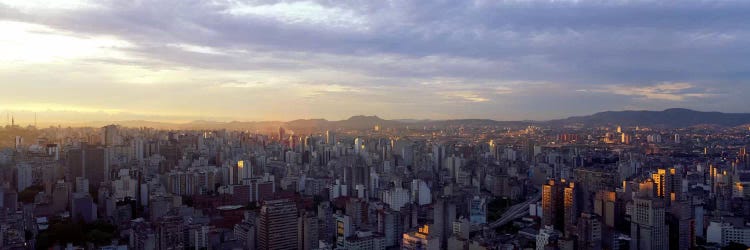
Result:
[672,118]
[675,117]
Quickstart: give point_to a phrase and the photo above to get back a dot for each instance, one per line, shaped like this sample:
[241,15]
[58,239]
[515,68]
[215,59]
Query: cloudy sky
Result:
[180,60]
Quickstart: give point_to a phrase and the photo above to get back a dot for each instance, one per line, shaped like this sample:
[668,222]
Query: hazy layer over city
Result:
[80,61]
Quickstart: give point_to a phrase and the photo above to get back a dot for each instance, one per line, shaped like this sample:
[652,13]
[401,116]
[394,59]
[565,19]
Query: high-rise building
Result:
[478,210]
[553,204]
[589,232]
[358,145]
[407,153]
[668,184]
[438,155]
[245,233]
[282,134]
[724,233]
[110,134]
[529,150]
[648,230]
[681,225]
[24,176]
[90,162]
[365,240]
[604,206]
[462,228]
[308,231]
[344,228]
[396,197]
[142,235]
[244,171]
[18,143]
[200,235]
[330,137]
[357,209]
[390,224]
[171,233]
[264,188]
[444,215]
[82,207]
[420,192]
[277,225]
[626,138]
[241,194]
[422,239]
[573,203]
[494,150]
[138,147]
[327,227]
[547,236]
[61,196]
[453,164]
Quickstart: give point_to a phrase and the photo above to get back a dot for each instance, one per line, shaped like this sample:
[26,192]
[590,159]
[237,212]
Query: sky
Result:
[182,60]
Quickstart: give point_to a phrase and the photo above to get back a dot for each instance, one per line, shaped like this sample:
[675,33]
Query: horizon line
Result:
[228,121]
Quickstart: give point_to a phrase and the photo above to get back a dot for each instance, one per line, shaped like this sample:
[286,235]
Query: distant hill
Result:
[364,122]
[307,123]
[675,117]
[672,118]
[475,123]
[354,122]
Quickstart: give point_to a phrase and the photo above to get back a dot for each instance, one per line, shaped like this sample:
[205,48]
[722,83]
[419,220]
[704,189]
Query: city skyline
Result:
[81,61]
[672,117]
[616,180]
[374,125]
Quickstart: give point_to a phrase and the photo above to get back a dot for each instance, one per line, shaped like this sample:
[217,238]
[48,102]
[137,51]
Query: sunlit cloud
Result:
[669,91]
[37,5]
[58,107]
[464,96]
[313,89]
[503,90]
[302,12]
[198,49]
[32,43]
[235,84]
[45,107]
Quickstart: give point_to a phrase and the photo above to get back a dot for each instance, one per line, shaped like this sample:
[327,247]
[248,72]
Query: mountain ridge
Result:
[672,117]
